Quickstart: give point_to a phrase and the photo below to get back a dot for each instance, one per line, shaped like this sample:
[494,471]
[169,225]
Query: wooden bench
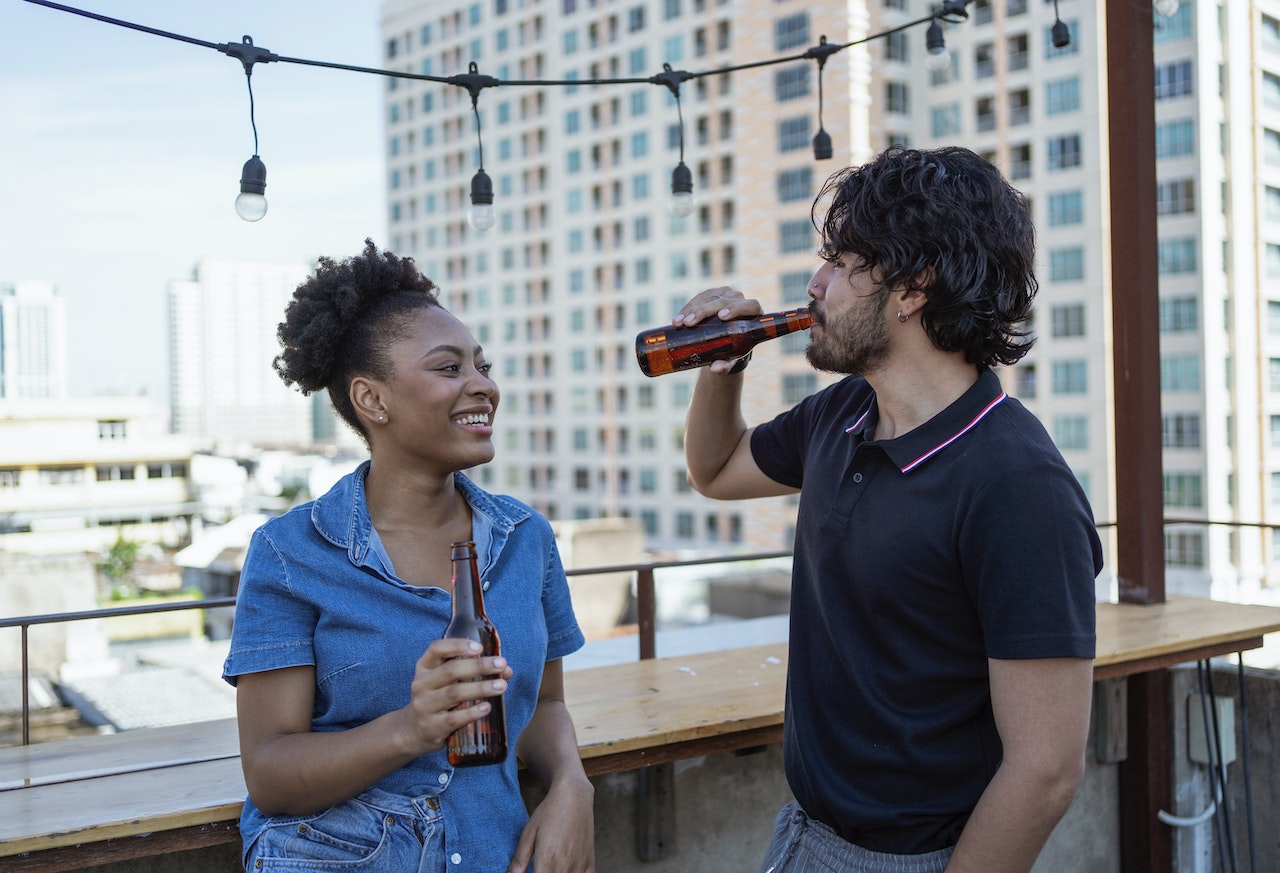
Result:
[74,803]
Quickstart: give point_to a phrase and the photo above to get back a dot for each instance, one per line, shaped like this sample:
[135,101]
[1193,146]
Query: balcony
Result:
[661,712]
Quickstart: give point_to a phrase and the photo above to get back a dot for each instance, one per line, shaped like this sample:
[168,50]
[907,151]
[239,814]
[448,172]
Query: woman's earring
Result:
[903,319]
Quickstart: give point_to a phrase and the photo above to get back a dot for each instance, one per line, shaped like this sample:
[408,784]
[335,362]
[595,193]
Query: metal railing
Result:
[645,593]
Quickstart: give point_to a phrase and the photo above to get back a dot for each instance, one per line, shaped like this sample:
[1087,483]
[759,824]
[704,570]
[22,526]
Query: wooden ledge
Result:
[71,804]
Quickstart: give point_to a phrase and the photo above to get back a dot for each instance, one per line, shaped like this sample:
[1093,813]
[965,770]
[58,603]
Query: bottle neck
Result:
[468,598]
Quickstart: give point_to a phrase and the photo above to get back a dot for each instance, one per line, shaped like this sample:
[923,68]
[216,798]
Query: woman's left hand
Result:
[561,831]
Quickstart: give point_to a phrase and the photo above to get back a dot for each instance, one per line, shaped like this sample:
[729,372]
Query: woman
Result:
[345,691]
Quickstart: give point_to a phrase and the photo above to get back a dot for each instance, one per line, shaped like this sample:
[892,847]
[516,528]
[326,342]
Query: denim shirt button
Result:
[433,803]
[443,778]
[455,858]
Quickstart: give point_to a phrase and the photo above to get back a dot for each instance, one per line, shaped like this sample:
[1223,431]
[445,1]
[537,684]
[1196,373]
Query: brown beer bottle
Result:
[483,741]
[662,350]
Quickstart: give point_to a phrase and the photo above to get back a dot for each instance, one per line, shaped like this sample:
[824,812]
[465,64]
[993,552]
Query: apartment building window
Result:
[112,429]
[793,134]
[794,285]
[114,472]
[1019,106]
[984,61]
[1177,256]
[895,47]
[1066,208]
[1067,320]
[635,19]
[1071,432]
[673,49]
[1179,25]
[1173,80]
[796,236]
[1018,54]
[671,9]
[1180,431]
[1176,197]
[1273,203]
[1024,381]
[9,477]
[1016,7]
[1270,34]
[1070,377]
[1052,51]
[986,113]
[1184,549]
[798,386]
[1066,264]
[897,97]
[1271,256]
[1020,161]
[60,475]
[1062,95]
[795,185]
[1175,138]
[1179,314]
[945,120]
[1183,490]
[791,83]
[791,32]
[983,12]
[1064,152]
[1180,372]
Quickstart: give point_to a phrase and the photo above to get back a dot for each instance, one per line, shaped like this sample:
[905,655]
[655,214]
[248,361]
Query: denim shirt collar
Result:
[341,516]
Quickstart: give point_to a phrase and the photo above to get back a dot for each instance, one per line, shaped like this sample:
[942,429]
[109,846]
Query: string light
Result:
[1166,7]
[252,204]
[1060,34]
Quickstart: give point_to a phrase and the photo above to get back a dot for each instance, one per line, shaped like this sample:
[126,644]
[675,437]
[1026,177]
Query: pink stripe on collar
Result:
[977,418]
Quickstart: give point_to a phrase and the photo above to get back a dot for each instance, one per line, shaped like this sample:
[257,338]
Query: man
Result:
[942,612]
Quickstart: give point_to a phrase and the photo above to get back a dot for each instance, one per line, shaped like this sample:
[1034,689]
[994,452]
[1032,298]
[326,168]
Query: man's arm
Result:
[1042,713]
[717,442]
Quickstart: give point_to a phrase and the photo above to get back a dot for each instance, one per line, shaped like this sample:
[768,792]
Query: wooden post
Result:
[1144,775]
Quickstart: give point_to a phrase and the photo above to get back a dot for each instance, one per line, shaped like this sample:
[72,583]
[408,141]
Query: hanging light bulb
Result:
[251,205]
[1061,34]
[681,203]
[1166,7]
[480,213]
[938,58]
[822,145]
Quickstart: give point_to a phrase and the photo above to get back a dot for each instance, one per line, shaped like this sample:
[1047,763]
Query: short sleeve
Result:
[564,637]
[1032,574]
[274,627]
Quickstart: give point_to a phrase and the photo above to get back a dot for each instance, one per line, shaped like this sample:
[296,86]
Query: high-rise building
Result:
[1039,111]
[222,341]
[33,341]
[584,252]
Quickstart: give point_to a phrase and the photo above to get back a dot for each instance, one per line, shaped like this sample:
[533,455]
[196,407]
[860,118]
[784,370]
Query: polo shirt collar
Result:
[920,444]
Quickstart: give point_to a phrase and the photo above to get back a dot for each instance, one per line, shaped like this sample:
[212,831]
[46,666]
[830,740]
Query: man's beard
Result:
[857,344]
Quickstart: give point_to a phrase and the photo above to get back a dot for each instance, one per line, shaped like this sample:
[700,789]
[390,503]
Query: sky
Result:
[121,152]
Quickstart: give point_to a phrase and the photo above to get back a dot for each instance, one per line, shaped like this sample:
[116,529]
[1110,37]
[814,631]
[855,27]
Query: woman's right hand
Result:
[450,673]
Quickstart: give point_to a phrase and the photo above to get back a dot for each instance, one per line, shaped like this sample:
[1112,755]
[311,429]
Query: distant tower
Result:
[222,338]
[33,341]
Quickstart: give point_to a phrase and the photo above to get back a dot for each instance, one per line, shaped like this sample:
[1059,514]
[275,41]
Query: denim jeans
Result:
[374,831]
[802,845]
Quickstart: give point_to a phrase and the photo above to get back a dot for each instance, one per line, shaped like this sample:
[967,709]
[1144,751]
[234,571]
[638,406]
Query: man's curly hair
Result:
[946,219]
[343,320]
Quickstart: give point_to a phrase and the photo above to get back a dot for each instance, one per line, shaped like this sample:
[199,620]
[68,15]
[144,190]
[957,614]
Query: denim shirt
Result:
[316,590]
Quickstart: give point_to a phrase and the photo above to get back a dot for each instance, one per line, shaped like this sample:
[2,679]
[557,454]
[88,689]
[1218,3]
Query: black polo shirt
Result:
[916,560]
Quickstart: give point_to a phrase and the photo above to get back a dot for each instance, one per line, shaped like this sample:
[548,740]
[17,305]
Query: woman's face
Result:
[440,401]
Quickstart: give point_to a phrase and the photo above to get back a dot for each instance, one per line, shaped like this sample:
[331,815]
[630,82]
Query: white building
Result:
[76,473]
[33,341]
[222,341]
[584,253]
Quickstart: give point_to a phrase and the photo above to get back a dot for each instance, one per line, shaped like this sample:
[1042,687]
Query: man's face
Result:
[851,332]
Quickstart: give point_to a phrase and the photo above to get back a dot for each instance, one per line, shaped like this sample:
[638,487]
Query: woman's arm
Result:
[291,770]
[561,831]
